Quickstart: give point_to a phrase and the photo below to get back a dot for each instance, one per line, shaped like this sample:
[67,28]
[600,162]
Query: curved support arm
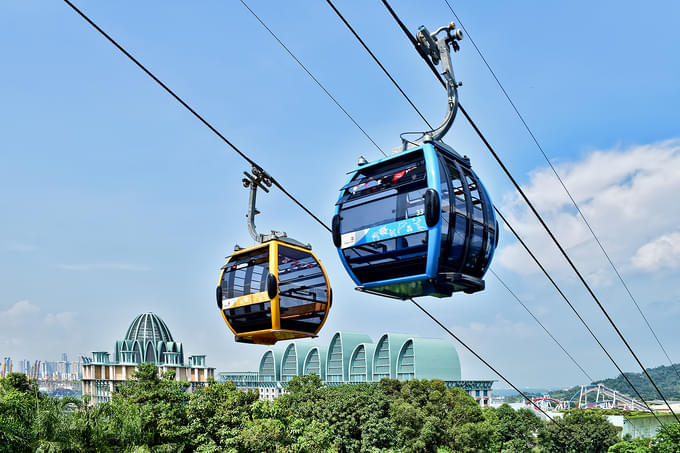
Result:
[261,179]
[438,51]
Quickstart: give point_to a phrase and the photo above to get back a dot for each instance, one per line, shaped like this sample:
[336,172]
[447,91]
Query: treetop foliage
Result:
[156,413]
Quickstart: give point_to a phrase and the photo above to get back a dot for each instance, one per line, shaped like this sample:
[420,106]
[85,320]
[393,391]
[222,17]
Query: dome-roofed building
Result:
[352,358]
[148,339]
[148,326]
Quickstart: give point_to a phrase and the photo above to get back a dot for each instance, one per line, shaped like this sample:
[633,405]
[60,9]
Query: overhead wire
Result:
[519,301]
[549,333]
[421,115]
[564,186]
[253,163]
[536,213]
[361,41]
[193,112]
[522,242]
[312,76]
[573,309]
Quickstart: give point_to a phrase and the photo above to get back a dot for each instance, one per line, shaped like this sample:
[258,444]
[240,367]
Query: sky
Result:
[114,200]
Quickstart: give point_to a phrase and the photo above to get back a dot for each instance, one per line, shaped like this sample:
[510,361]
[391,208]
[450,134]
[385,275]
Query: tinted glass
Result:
[475,245]
[249,318]
[476,199]
[391,258]
[303,293]
[458,243]
[245,274]
[391,195]
[446,207]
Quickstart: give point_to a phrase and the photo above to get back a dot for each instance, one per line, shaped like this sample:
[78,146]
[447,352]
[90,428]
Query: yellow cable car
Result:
[275,290]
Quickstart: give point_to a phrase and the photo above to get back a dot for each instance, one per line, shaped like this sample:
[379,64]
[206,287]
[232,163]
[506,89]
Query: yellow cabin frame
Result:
[271,336]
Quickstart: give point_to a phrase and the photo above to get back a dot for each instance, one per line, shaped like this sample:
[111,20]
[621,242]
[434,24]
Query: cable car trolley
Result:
[275,290]
[420,221]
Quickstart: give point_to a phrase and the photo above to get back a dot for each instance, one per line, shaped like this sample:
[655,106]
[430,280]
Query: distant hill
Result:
[665,378]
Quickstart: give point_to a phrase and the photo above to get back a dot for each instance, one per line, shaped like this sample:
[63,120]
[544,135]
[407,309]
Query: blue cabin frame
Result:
[460,224]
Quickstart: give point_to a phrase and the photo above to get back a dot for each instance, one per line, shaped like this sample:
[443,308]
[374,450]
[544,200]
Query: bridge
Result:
[606,398]
[588,397]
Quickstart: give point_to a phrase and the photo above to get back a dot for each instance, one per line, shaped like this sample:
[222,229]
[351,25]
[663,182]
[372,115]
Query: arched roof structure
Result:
[339,350]
[315,361]
[292,362]
[428,358]
[385,355]
[353,357]
[270,366]
[361,363]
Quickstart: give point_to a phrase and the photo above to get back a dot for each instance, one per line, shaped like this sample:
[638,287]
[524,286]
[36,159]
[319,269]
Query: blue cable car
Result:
[419,222]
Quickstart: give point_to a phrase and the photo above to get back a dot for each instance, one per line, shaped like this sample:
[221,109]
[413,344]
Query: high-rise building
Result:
[148,339]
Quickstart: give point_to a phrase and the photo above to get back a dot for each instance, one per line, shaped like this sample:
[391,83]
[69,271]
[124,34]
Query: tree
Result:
[667,439]
[428,416]
[149,410]
[517,429]
[631,446]
[18,401]
[357,414]
[216,414]
[579,431]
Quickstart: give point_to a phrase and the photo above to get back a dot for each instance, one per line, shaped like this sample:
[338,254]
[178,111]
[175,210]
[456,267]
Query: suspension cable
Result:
[450,332]
[250,161]
[539,217]
[541,324]
[573,309]
[356,35]
[193,112]
[547,331]
[312,76]
[525,246]
[563,184]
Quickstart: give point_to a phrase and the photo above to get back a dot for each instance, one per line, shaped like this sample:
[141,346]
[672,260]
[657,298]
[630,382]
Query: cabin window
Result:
[303,292]
[249,318]
[384,195]
[245,275]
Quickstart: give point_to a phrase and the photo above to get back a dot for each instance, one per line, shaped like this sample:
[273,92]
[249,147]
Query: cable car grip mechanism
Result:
[437,50]
[258,178]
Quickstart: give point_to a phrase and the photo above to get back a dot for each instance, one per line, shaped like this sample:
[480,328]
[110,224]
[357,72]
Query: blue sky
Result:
[116,201]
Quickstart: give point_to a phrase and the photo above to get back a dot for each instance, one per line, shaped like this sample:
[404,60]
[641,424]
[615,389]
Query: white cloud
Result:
[24,328]
[20,310]
[629,196]
[103,267]
[663,252]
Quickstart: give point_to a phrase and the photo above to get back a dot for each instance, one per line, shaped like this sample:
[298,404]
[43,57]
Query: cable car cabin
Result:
[416,223]
[273,291]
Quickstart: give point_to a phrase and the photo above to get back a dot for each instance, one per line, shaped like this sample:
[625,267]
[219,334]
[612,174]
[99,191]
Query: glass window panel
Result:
[303,293]
[246,274]
[475,244]
[446,206]
[391,258]
[382,177]
[397,205]
[384,194]
[459,233]
[490,244]
[249,318]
